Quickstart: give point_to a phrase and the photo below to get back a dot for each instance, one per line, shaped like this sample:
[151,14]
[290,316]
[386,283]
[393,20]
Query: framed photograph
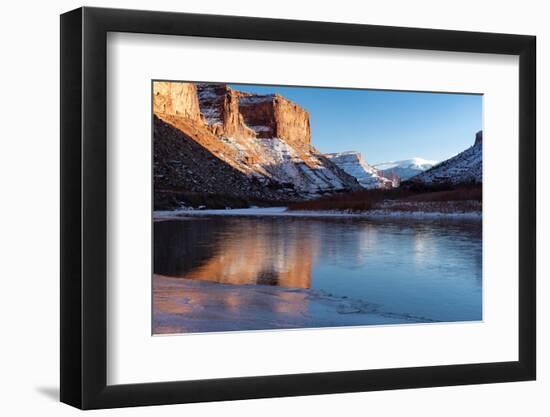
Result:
[256,208]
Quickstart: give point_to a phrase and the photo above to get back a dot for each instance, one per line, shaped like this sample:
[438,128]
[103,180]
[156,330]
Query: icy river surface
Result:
[226,273]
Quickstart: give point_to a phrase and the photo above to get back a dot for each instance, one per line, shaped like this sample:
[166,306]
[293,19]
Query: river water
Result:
[224,273]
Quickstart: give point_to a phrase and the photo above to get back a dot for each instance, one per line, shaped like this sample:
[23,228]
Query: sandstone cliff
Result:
[188,171]
[264,138]
[220,106]
[273,116]
[176,99]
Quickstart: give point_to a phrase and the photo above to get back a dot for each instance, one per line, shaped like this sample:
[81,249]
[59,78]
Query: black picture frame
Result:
[84,207]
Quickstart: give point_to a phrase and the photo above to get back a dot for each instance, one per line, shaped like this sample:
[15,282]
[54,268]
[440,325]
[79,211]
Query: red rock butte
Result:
[266,138]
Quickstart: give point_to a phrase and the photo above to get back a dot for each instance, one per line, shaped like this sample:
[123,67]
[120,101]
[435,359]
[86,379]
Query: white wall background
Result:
[29,225]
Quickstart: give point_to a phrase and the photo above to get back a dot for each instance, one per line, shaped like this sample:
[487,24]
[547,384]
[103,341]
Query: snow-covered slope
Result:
[368,176]
[265,146]
[407,168]
[275,161]
[466,167]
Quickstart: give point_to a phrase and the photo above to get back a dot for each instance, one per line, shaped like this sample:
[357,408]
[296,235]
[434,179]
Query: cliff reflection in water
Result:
[237,273]
[237,252]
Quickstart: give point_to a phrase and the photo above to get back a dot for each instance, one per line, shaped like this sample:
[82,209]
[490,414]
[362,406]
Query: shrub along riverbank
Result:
[407,198]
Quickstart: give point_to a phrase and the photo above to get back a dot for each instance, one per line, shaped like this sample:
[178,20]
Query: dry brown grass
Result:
[327,203]
[364,200]
[459,206]
[361,200]
[473,193]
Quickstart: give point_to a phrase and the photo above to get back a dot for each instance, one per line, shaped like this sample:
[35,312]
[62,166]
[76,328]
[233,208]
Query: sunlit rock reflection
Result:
[220,274]
[269,253]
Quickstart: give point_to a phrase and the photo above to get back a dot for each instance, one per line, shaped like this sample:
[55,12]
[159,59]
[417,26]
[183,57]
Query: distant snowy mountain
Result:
[405,169]
[368,176]
[466,167]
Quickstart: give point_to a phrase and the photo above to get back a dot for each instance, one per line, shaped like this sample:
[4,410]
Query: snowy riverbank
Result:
[284,212]
[189,306]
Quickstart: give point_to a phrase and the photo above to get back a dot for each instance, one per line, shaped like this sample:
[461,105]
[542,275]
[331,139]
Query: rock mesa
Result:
[265,140]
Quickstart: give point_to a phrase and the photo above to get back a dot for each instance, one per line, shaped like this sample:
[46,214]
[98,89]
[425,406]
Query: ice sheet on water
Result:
[282,211]
[188,306]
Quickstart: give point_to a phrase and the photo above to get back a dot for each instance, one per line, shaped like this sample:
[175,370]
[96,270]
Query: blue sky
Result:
[385,125]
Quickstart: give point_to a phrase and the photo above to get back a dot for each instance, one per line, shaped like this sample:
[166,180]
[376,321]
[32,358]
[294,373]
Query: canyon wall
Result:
[176,99]
[273,116]
[220,106]
[260,143]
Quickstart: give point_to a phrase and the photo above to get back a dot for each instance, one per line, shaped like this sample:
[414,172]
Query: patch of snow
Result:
[211,114]
[255,99]
[286,166]
[180,305]
[282,211]
[353,164]
[258,128]
[413,163]
[466,167]
[407,168]
[207,91]
[209,102]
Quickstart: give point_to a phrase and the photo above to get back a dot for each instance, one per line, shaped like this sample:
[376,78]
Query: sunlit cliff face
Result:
[266,138]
